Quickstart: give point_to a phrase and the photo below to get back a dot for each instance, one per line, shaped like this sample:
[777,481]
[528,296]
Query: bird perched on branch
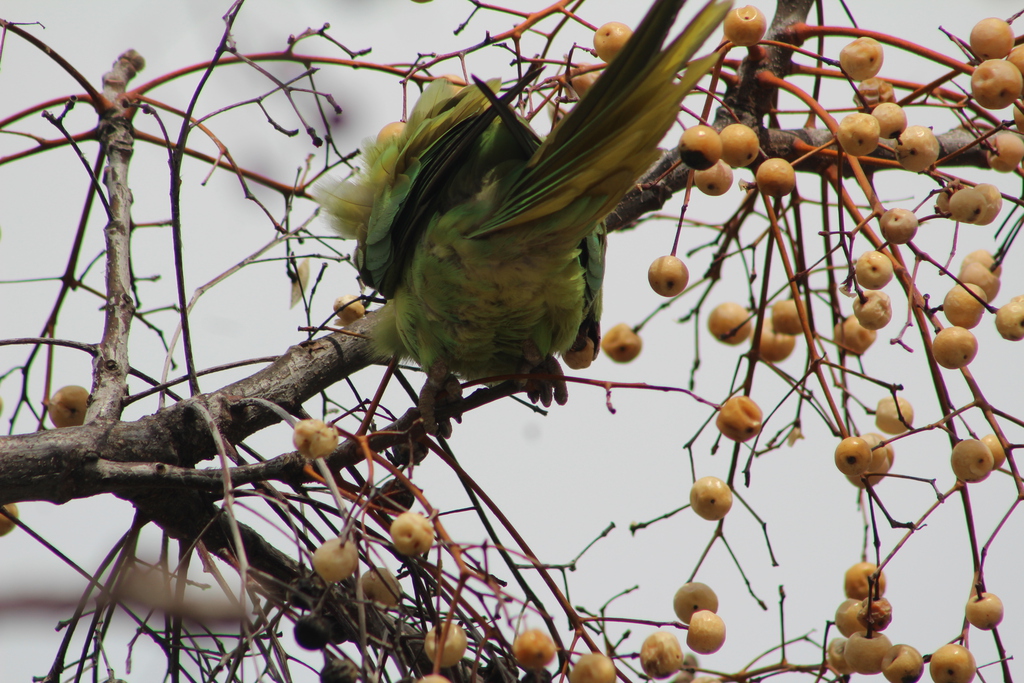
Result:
[488,242]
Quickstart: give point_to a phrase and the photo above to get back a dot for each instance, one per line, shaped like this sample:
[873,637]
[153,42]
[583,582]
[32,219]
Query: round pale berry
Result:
[964,307]
[349,309]
[1009,150]
[6,524]
[872,309]
[786,317]
[380,585]
[837,657]
[1016,57]
[862,58]
[314,439]
[858,134]
[952,663]
[391,130]
[580,359]
[661,655]
[993,203]
[996,84]
[583,77]
[776,177]
[984,611]
[954,348]
[1018,116]
[706,633]
[978,274]
[739,145]
[864,655]
[711,498]
[996,447]
[875,614]
[739,419]
[610,39]
[621,343]
[593,667]
[917,148]
[971,460]
[412,534]
[991,38]
[898,225]
[336,560]
[882,458]
[889,412]
[67,407]
[852,456]
[856,581]
[902,664]
[693,597]
[985,258]
[744,26]
[668,275]
[730,323]
[714,181]
[874,91]
[892,120]
[1010,321]
[776,347]
[873,270]
[853,337]
[846,617]
[700,147]
[967,205]
[452,640]
[430,678]
[533,649]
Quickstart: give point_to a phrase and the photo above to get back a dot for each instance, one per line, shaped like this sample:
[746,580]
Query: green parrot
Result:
[486,241]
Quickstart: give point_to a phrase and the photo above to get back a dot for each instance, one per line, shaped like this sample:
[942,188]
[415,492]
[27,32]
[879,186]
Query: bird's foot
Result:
[543,390]
[443,384]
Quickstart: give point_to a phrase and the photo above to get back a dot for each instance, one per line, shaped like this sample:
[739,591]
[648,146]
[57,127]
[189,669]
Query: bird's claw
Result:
[543,390]
[439,382]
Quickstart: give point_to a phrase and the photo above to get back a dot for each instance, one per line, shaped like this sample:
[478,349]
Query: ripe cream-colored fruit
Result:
[67,406]
[668,276]
[996,448]
[583,77]
[711,498]
[739,145]
[776,177]
[739,418]
[991,38]
[962,308]
[993,203]
[334,560]
[837,656]
[971,460]
[862,59]
[873,270]
[1010,321]
[858,134]
[6,524]
[852,456]
[380,585]
[892,120]
[700,147]
[580,359]
[881,460]
[1018,117]
[349,309]
[876,614]
[1008,153]
[978,274]
[996,83]
[714,181]
[693,597]
[453,644]
[898,225]
[887,415]
[610,39]
[786,318]
[864,655]
[872,309]
[314,439]
[855,582]
[954,348]
[846,617]
[853,336]
[621,343]
[984,612]
[391,130]
[730,323]
[744,26]
[985,258]
[952,663]
[706,633]
[593,667]
[1016,57]
[661,655]
[902,664]
[776,347]
[967,205]
[433,678]
[533,649]
[874,91]
[412,533]
[917,148]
